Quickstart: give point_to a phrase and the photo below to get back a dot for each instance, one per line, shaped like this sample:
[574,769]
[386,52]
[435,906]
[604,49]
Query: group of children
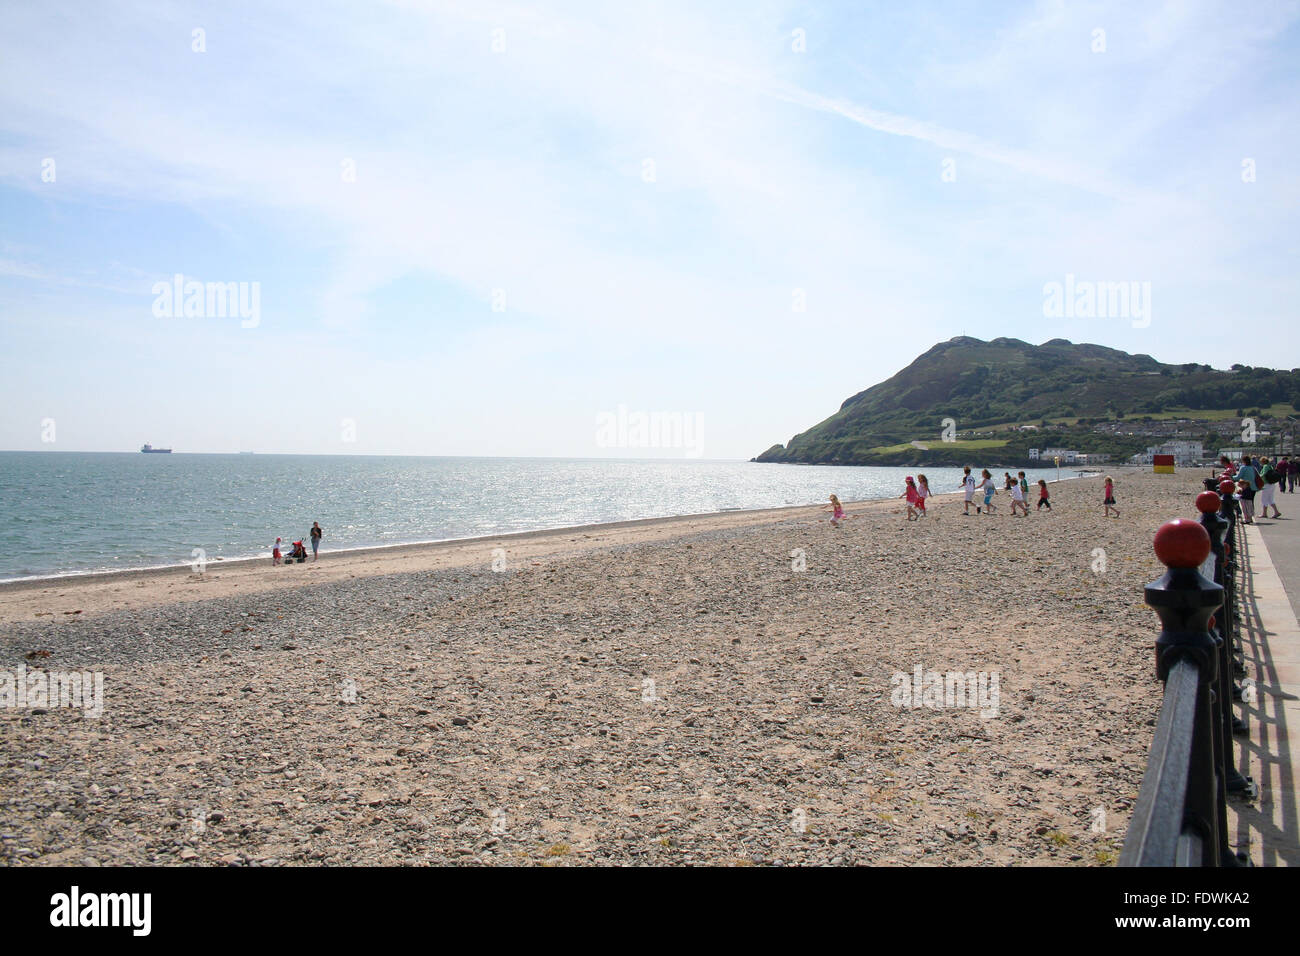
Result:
[917,492]
[1018,487]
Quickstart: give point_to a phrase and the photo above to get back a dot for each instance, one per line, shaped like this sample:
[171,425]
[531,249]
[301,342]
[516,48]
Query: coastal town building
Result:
[1184,452]
[1068,456]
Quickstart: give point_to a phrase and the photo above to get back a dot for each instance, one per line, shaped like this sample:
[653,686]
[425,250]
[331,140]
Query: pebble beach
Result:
[717,690]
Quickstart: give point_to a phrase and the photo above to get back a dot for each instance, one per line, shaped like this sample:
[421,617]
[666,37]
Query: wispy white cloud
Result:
[522,171]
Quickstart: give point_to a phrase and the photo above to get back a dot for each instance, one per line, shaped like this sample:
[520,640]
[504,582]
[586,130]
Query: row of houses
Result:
[1068,456]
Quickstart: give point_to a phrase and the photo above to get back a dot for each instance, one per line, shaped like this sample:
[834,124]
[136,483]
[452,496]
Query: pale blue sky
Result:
[522,169]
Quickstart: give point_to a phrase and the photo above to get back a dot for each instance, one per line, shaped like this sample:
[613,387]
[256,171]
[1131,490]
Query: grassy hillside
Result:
[990,386]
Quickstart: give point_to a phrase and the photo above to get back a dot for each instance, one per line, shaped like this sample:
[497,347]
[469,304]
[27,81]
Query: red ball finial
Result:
[1182,543]
[1226,487]
[1208,502]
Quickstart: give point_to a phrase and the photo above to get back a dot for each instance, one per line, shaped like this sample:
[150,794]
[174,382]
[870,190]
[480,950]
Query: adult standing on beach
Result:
[315,539]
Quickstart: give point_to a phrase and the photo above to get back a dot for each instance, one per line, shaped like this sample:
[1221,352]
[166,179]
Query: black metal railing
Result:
[1180,818]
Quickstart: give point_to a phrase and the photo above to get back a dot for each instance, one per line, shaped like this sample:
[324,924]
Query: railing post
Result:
[1229,778]
[1228,511]
[1218,528]
[1184,602]
[1221,709]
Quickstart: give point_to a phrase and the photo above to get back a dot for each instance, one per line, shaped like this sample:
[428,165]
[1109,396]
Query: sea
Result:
[65,513]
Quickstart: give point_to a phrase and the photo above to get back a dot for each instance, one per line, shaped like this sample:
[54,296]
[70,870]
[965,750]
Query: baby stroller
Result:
[299,553]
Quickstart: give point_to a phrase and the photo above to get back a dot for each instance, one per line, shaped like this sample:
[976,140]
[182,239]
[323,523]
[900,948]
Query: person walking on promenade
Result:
[1283,470]
[968,485]
[989,490]
[1268,475]
[1042,496]
[923,487]
[1110,497]
[315,538]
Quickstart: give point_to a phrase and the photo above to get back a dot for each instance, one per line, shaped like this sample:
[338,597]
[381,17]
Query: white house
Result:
[1068,456]
[1184,452]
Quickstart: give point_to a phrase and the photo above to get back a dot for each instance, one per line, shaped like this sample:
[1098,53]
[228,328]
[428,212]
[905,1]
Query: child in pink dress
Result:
[912,496]
[838,508]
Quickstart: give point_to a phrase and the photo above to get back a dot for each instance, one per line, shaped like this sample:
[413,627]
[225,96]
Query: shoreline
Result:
[101,575]
[87,595]
[93,592]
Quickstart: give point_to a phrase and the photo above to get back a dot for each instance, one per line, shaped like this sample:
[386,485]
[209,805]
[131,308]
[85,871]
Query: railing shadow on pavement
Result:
[1256,824]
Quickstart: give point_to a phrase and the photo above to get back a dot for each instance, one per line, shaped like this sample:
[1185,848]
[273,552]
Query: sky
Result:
[493,228]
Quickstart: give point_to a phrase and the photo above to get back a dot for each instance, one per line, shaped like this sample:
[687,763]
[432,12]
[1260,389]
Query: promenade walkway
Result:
[1270,824]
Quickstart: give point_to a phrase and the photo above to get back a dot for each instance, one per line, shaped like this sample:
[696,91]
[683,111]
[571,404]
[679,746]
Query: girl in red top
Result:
[1042,496]
[1110,497]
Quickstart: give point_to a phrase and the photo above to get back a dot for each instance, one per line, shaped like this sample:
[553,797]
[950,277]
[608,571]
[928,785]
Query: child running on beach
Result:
[1018,500]
[968,485]
[1110,498]
[912,496]
[838,510]
[989,490]
[923,488]
[1042,496]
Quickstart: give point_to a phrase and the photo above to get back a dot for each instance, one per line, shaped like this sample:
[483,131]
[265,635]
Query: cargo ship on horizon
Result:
[148,449]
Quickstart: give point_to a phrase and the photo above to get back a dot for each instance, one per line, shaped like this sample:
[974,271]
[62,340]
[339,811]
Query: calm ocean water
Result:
[69,512]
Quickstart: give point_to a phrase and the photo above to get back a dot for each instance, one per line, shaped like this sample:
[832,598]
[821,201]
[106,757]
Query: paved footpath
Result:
[1270,825]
